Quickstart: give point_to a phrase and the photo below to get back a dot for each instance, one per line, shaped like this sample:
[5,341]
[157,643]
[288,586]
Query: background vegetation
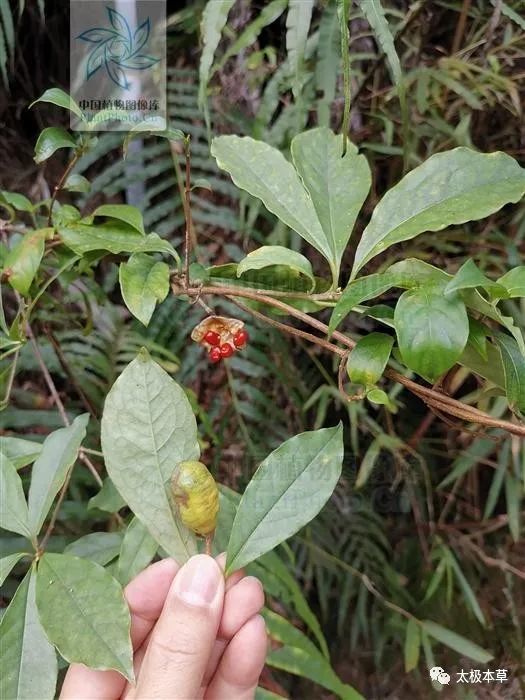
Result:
[436,528]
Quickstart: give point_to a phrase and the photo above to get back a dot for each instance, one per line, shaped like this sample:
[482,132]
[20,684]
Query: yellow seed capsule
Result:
[197,496]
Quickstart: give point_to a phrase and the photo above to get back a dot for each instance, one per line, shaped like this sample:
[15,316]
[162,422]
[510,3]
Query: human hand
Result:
[195,636]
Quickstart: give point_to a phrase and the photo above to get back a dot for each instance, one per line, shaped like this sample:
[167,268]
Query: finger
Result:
[145,596]
[244,600]
[238,673]
[183,638]
[241,602]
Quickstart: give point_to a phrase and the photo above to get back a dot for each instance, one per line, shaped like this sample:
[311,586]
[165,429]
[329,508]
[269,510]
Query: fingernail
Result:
[198,581]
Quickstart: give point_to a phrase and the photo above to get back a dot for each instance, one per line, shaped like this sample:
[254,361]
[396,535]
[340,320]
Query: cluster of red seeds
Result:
[217,351]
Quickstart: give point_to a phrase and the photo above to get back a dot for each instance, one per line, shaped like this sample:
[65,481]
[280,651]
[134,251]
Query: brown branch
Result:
[59,186]
[434,399]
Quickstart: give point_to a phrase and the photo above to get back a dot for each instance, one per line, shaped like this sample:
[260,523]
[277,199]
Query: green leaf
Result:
[288,489]
[148,427]
[514,282]
[455,641]
[8,563]
[477,337]
[144,129]
[84,614]
[107,499]
[16,200]
[447,189]
[122,212]
[432,331]
[28,661]
[265,173]
[213,21]
[468,593]
[513,497]
[59,453]
[300,656]
[327,63]
[270,255]
[297,25]
[19,451]
[22,261]
[143,282]
[338,185]
[58,97]
[50,140]
[77,183]
[412,645]
[367,361]
[137,550]
[116,237]
[13,507]
[469,276]
[514,368]
[378,396]
[100,547]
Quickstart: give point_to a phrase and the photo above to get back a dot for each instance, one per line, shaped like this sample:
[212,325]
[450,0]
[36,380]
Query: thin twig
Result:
[59,186]
[48,379]
[434,399]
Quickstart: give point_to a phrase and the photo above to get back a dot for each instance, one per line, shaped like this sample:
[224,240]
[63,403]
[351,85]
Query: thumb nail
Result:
[198,581]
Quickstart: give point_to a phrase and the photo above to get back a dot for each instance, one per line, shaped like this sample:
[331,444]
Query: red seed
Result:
[212,338]
[241,338]
[214,355]
[227,350]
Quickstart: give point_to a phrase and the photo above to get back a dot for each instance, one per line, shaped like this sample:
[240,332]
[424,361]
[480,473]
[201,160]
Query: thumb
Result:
[183,638]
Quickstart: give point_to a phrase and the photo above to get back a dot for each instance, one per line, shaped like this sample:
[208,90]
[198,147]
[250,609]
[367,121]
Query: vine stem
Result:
[59,186]
[434,399]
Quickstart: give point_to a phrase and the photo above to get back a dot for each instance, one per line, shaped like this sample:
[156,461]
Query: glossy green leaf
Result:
[514,282]
[412,645]
[288,489]
[51,140]
[22,261]
[19,451]
[338,185]
[58,97]
[28,661]
[107,499]
[137,550]
[8,563]
[265,173]
[477,337]
[77,183]
[469,276]
[143,282]
[300,656]
[367,361]
[13,507]
[406,274]
[100,547]
[514,369]
[432,331]
[380,397]
[148,427]
[16,200]
[447,189]
[84,613]
[59,453]
[271,255]
[122,212]
[455,641]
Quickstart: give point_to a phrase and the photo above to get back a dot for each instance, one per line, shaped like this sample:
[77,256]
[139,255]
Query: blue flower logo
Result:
[118,49]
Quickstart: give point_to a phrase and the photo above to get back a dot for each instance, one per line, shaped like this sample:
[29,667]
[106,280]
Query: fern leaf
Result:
[375,15]
[214,18]
[327,68]
[297,26]
[511,14]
